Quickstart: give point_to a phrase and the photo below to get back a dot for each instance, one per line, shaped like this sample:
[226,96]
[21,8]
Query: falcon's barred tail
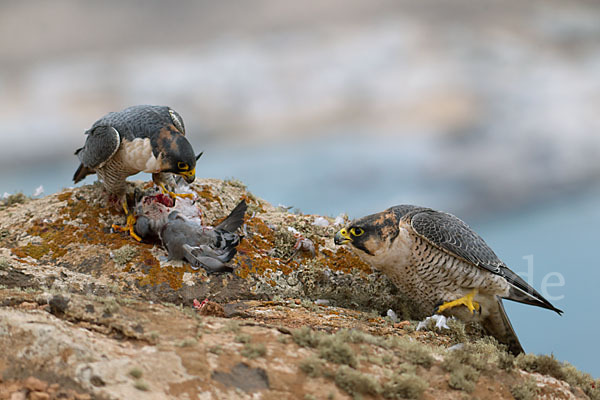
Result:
[81,173]
[498,326]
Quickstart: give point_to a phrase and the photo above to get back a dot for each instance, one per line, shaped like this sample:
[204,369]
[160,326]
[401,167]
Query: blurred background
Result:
[486,109]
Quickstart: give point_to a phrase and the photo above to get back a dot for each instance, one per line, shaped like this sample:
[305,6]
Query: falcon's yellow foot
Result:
[130,227]
[174,195]
[466,300]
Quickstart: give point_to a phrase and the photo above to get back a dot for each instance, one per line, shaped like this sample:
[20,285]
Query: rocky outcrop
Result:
[90,313]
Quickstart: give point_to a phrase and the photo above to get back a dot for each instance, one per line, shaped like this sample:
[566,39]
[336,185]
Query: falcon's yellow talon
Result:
[130,226]
[173,194]
[466,300]
[186,195]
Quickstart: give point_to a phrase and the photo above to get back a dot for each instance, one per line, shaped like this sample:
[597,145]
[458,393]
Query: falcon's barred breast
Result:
[438,260]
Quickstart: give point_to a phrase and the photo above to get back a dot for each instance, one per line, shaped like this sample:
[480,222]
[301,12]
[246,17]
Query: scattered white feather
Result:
[340,219]
[293,230]
[189,209]
[457,346]
[188,279]
[392,315]
[6,195]
[440,322]
[38,191]
[322,302]
[320,221]
[184,188]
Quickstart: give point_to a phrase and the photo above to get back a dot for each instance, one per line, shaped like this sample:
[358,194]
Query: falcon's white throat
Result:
[394,259]
[140,156]
[398,254]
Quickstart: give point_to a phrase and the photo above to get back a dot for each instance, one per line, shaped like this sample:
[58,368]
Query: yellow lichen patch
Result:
[254,205]
[344,260]
[207,197]
[79,223]
[254,252]
[81,209]
[55,237]
[157,275]
[36,251]
[64,196]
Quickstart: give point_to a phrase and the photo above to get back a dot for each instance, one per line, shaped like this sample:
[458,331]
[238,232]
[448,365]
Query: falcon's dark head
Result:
[374,233]
[174,151]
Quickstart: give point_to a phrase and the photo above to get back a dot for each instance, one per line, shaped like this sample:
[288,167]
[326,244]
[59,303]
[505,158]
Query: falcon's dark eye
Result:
[182,166]
[357,231]
[177,121]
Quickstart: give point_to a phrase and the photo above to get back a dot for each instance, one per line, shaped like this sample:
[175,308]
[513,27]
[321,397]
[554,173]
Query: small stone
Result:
[18,396]
[53,388]
[401,324]
[39,396]
[28,305]
[35,385]
[235,310]
[58,305]
[97,381]
[82,396]
[212,308]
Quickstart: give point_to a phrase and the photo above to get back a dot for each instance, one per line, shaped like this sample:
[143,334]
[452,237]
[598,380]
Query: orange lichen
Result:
[64,196]
[251,200]
[36,251]
[254,252]
[207,197]
[157,275]
[344,260]
[57,237]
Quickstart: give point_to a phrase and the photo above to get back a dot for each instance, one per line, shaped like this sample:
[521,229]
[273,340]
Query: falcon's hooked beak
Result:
[342,237]
[189,176]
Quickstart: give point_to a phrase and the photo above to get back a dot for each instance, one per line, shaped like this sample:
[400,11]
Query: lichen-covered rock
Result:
[89,313]
[65,241]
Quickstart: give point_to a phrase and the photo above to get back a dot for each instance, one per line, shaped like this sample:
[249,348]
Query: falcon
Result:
[438,261]
[142,138]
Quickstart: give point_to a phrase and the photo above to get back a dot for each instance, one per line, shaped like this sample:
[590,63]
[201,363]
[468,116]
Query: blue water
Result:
[560,235]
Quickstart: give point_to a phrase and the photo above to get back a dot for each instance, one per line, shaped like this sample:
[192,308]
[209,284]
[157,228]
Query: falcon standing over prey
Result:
[442,264]
[141,138]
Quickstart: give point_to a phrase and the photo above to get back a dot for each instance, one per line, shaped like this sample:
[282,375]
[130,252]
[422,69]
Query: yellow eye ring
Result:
[182,166]
[357,231]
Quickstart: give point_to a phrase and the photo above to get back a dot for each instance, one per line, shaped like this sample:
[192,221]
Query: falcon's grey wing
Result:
[101,144]
[451,235]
